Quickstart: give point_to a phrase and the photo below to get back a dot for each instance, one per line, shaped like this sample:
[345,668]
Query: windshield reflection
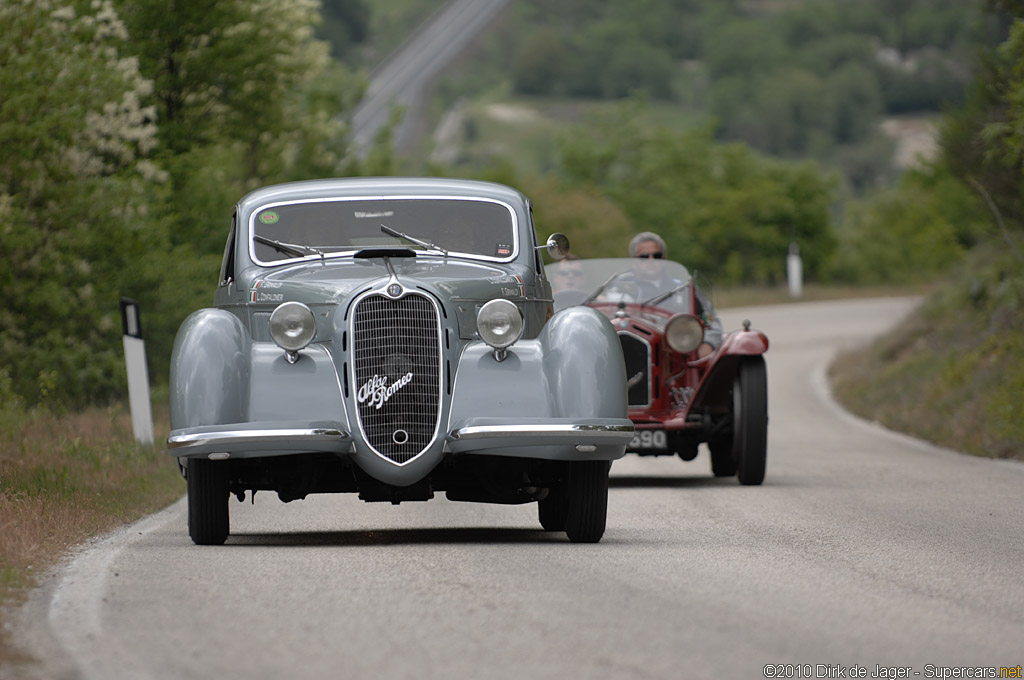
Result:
[614,280]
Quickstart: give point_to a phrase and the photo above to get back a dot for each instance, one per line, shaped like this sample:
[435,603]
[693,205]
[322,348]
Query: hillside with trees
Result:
[813,79]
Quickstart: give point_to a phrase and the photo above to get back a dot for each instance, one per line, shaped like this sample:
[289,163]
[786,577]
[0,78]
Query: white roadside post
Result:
[138,377]
[794,271]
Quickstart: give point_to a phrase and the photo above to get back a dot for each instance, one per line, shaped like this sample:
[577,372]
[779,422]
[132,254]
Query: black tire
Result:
[722,462]
[551,510]
[207,481]
[750,421]
[586,500]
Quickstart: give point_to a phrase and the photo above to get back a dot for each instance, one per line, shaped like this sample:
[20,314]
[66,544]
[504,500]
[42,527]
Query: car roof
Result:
[351,187]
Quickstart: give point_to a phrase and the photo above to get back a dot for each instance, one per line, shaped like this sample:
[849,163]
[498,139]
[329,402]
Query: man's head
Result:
[647,244]
[568,274]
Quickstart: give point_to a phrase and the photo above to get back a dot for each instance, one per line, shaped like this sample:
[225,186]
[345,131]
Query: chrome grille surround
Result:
[396,373]
[637,353]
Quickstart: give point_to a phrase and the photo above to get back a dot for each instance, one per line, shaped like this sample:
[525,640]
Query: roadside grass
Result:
[65,477]
[953,374]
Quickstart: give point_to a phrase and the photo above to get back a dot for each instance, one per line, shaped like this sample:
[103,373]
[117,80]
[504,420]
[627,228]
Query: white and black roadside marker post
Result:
[794,271]
[138,377]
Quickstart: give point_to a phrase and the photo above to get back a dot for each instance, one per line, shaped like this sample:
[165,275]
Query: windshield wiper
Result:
[295,249]
[600,289]
[420,242]
[661,297]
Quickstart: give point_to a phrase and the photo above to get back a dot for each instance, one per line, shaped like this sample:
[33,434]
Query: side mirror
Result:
[557,246]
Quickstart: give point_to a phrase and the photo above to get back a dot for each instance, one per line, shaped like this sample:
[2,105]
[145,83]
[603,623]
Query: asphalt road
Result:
[862,549]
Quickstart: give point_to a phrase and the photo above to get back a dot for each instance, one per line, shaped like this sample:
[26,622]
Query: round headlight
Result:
[499,323]
[684,333]
[292,326]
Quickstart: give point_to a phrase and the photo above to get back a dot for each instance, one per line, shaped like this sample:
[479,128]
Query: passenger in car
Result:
[650,246]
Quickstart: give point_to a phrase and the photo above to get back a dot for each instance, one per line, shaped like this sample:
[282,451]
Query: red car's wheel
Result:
[586,500]
[207,482]
[750,420]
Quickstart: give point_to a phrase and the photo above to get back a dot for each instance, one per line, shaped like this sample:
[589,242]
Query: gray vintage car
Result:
[395,337]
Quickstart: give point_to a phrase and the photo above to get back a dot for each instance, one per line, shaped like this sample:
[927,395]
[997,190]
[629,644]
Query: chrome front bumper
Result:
[569,440]
[242,440]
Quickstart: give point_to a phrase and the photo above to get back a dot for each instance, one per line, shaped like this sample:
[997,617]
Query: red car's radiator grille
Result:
[397,362]
[637,354]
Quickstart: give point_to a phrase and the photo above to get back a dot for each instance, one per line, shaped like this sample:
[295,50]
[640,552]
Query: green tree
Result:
[982,141]
[721,208]
[746,47]
[235,86]
[246,96]
[857,98]
[74,135]
[784,112]
[1005,137]
[346,23]
[538,66]
[897,236]
[635,66]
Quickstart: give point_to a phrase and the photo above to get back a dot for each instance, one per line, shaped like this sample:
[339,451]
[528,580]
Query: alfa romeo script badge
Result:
[376,390]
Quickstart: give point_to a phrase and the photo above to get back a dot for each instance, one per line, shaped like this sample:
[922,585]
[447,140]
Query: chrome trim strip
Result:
[226,437]
[553,431]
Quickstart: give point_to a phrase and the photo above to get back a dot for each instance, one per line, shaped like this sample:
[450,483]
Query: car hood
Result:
[335,281]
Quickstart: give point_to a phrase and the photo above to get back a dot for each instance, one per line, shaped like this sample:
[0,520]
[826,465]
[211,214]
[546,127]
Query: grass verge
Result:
[65,477]
[953,374]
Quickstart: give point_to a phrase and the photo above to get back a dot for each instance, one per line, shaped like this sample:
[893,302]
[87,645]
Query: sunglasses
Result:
[656,256]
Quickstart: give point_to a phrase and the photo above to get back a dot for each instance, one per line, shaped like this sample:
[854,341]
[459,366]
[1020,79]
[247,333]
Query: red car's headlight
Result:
[684,333]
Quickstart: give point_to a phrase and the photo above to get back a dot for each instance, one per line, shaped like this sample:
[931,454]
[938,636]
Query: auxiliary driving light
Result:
[292,327]
[500,323]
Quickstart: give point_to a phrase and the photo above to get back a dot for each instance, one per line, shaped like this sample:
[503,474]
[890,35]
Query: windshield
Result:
[612,280]
[477,228]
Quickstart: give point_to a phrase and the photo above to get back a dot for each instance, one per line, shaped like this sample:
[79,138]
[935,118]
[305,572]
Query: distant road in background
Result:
[404,77]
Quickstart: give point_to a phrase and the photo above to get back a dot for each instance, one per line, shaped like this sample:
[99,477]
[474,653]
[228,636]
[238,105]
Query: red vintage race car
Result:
[677,399]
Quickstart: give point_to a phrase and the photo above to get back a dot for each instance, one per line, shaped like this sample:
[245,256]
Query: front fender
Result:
[715,387]
[744,342]
[210,370]
[574,369]
[583,364]
[559,397]
[220,377]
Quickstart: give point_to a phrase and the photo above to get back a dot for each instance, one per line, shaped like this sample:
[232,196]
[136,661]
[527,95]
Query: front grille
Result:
[637,354]
[396,358]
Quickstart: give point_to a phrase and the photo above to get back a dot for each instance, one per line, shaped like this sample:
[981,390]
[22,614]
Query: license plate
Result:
[649,439]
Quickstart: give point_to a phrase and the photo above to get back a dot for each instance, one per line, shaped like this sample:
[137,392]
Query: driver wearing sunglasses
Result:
[650,246]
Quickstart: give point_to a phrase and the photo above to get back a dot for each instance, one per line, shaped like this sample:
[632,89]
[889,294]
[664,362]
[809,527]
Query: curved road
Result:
[862,548]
